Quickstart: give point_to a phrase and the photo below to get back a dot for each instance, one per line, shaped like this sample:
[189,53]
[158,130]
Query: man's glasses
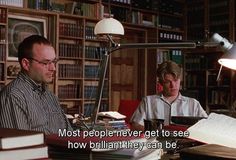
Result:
[45,63]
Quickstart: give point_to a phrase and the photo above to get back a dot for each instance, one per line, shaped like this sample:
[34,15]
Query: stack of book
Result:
[113,120]
[22,144]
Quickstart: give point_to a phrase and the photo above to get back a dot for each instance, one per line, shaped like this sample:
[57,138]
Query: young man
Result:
[169,103]
[26,103]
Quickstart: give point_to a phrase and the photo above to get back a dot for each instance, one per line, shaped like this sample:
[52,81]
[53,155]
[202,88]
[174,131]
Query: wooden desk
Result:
[170,157]
[208,152]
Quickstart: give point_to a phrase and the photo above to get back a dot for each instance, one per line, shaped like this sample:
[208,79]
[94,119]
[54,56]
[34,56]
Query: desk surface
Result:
[208,151]
[171,156]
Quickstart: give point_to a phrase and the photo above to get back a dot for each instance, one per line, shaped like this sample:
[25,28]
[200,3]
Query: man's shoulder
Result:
[155,96]
[152,98]
[189,99]
[13,88]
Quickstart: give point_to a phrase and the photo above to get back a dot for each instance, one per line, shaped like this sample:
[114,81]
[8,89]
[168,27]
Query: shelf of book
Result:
[200,76]
[3,45]
[70,26]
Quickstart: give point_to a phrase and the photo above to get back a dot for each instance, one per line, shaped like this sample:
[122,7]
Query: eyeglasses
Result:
[45,63]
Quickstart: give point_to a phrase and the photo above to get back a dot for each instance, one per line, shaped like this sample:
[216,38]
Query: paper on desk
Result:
[112,114]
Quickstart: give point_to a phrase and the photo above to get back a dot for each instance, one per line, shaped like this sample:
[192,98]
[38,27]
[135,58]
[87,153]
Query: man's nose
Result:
[52,67]
[172,84]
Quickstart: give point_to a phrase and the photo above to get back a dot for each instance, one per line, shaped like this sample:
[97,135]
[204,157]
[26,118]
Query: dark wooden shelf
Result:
[94,79]
[2,24]
[194,87]
[171,30]
[70,99]
[220,87]
[118,4]
[93,99]
[60,78]
[70,37]
[70,58]
[171,15]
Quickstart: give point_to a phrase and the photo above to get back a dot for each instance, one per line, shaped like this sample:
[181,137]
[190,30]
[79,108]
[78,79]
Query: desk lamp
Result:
[110,27]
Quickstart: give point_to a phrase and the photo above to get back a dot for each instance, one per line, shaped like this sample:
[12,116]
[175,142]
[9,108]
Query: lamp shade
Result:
[229,58]
[109,26]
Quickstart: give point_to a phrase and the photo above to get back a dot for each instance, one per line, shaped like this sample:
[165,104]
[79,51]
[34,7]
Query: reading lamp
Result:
[229,58]
[109,27]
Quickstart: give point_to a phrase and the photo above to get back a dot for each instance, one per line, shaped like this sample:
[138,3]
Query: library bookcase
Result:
[205,17]
[69,26]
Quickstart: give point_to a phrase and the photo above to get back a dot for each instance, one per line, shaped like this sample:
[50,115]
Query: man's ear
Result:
[25,64]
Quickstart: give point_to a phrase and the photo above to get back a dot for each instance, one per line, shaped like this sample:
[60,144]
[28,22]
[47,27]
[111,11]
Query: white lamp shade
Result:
[109,26]
[229,58]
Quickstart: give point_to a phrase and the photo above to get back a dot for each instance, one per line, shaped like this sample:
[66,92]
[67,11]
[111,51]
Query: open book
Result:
[112,114]
[216,129]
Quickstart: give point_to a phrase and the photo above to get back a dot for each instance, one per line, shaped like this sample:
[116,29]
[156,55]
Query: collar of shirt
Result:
[35,87]
[179,98]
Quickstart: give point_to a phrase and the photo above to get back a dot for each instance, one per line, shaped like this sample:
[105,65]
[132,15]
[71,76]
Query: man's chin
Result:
[49,80]
[174,94]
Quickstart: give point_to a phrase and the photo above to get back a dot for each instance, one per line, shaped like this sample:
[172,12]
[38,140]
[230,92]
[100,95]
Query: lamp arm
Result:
[102,76]
[174,45]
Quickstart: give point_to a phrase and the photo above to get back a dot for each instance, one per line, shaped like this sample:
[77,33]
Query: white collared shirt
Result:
[156,107]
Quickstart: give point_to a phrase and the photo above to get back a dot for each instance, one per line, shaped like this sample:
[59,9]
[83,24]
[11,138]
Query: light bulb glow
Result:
[229,63]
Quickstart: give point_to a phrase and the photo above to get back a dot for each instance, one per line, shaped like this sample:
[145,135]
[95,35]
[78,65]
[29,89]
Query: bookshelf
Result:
[131,73]
[70,25]
[159,21]
[3,45]
[219,17]
[207,17]
[69,84]
[200,66]
[94,51]
[200,73]
[196,11]
[76,48]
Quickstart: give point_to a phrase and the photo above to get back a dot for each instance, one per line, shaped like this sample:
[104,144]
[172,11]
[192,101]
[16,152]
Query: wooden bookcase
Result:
[70,24]
[200,74]
[3,45]
[77,48]
[146,21]
[205,17]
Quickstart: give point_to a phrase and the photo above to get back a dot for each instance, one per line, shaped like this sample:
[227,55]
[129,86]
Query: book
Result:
[32,152]
[77,138]
[208,152]
[131,153]
[70,7]
[14,138]
[112,114]
[216,129]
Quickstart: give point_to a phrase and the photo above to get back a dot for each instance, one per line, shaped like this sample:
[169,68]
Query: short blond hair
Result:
[168,67]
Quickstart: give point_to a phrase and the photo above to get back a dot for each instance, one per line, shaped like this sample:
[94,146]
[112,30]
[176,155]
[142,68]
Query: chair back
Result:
[127,108]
